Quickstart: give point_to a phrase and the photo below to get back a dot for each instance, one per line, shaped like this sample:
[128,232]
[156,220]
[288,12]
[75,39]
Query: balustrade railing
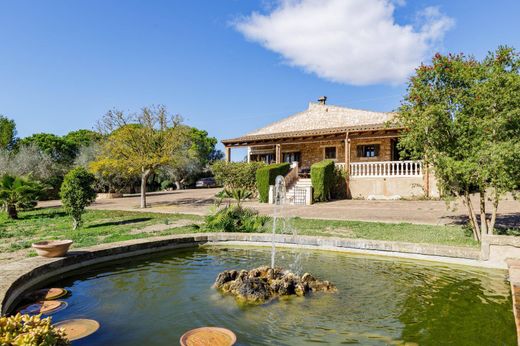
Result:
[386,169]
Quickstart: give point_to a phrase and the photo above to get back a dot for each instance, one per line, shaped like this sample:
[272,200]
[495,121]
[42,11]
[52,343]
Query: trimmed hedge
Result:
[322,177]
[266,176]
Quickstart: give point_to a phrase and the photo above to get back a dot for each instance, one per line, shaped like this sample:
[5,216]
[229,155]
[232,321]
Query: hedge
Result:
[322,177]
[266,176]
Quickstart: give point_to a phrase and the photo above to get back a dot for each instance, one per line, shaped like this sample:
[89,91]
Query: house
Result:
[363,143]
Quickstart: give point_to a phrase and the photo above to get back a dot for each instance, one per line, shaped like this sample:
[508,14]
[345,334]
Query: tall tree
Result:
[7,133]
[463,117]
[61,150]
[83,138]
[142,143]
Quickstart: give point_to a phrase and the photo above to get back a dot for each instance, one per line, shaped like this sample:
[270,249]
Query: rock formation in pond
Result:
[262,284]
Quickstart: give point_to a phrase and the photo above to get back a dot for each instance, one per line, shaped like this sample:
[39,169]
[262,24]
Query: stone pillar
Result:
[278,153]
[271,194]
[308,195]
[228,154]
[248,154]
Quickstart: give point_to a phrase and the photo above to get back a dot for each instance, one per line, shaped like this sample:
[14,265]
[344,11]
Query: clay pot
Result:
[52,248]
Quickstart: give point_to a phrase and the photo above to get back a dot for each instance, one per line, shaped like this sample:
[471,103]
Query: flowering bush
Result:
[28,330]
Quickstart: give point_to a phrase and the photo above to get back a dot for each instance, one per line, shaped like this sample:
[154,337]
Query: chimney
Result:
[322,100]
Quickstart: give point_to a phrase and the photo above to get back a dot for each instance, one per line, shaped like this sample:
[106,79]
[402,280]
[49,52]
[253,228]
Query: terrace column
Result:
[347,163]
[278,153]
[228,154]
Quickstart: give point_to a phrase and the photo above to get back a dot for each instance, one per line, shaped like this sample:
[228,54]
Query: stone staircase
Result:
[296,193]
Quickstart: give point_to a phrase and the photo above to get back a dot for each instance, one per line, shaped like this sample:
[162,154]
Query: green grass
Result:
[104,226]
[404,232]
[99,226]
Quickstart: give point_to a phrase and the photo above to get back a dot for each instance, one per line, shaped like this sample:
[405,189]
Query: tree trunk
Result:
[75,224]
[496,200]
[144,179]
[483,217]
[12,212]
[472,217]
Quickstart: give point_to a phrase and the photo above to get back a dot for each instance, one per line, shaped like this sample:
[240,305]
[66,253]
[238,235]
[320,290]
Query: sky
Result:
[226,66]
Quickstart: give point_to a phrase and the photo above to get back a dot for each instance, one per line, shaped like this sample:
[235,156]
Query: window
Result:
[368,150]
[291,157]
[330,153]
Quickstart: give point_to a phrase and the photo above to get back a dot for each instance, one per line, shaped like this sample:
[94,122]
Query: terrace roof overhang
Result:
[330,134]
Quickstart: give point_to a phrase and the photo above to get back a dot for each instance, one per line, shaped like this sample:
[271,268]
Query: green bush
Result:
[322,177]
[266,176]
[167,184]
[339,187]
[236,175]
[234,218]
[77,192]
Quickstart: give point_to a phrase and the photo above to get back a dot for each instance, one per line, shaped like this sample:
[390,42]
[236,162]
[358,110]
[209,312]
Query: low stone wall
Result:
[362,187]
[499,248]
[20,277]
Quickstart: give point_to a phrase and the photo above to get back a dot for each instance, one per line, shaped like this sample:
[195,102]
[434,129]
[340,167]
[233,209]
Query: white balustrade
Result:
[385,169]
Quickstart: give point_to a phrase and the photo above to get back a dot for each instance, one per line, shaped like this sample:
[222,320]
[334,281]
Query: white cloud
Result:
[347,41]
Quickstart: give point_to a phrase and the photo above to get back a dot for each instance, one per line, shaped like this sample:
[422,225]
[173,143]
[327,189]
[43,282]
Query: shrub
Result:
[236,175]
[30,331]
[18,193]
[266,176]
[167,184]
[234,218]
[322,176]
[77,192]
[238,195]
[339,186]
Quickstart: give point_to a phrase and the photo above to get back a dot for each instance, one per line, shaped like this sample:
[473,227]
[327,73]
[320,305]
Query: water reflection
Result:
[380,301]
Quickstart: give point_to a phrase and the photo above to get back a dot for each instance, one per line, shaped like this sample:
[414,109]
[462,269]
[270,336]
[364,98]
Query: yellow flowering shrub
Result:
[29,330]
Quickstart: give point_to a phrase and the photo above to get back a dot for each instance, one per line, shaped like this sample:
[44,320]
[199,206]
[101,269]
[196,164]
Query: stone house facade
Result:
[363,143]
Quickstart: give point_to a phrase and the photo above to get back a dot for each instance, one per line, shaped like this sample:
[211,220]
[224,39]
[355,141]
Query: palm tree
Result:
[17,192]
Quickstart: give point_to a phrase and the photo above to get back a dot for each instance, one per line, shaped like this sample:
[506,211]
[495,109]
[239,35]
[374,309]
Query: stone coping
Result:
[514,280]
[19,277]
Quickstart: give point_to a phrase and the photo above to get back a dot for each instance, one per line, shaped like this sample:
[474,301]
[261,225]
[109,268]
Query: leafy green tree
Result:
[7,133]
[77,192]
[196,160]
[17,192]
[141,144]
[83,138]
[463,117]
[61,150]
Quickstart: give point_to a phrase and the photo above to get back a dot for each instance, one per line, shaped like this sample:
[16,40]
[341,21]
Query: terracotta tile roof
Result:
[318,119]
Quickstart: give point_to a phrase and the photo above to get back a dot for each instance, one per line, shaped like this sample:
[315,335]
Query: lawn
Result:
[104,226]
[404,232]
[99,226]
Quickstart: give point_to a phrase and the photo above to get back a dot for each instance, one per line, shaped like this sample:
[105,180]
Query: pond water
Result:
[153,300]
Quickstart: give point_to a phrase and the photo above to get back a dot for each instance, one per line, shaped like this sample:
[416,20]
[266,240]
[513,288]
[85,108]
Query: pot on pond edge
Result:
[52,248]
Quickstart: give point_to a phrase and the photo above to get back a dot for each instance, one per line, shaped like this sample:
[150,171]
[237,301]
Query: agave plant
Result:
[16,193]
[238,194]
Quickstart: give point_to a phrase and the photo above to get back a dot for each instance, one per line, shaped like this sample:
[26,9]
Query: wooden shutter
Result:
[376,149]
[359,149]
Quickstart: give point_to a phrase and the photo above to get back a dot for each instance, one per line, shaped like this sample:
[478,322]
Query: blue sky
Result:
[63,64]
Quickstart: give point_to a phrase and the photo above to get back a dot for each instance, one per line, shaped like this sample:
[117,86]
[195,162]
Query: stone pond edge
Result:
[19,277]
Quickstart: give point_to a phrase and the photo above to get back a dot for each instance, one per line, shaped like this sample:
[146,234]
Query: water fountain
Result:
[279,212]
[263,284]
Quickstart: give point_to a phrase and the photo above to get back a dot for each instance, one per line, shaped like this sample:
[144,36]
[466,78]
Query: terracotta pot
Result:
[52,248]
